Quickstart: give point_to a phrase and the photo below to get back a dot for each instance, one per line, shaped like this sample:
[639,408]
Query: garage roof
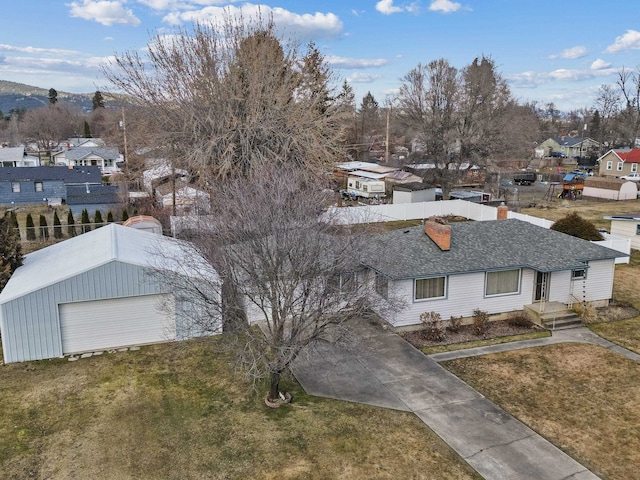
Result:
[106,244]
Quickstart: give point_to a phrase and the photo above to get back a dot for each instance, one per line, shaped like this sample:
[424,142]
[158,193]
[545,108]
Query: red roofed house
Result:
[618,163]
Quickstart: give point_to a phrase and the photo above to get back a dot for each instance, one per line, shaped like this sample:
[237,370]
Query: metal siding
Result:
[31,323]
[113,323]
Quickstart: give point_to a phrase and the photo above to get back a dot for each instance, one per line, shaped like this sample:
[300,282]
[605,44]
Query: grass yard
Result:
[178,412]
[583,398]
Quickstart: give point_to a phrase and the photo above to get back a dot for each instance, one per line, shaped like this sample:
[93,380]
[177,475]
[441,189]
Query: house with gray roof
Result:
[17,157]
[496,266]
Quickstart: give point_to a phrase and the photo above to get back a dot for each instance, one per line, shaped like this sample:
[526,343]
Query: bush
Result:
[434,329]
[57,228]
[97,219]
[125,215]
[454,324]
[519,319]
[576,226]
[86,221]
[31,231]
[44,228]
[109,217]
[71,225]
[480,321]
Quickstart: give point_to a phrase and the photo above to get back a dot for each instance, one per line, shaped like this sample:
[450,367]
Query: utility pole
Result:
[123,124]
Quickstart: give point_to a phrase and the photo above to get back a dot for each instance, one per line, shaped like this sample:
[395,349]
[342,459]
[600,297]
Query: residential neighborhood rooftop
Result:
[89,174]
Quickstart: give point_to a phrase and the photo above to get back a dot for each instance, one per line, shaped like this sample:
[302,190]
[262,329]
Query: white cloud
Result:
[444,6]
[629,41]
[531,79]
[599,64]
[387,7]
[359,77]
[317,25]
[572,53]
[106,12]
[346,62]
[48,51]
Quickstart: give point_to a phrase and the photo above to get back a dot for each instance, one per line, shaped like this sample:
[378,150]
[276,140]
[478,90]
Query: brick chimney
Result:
[439,231]
[502,211]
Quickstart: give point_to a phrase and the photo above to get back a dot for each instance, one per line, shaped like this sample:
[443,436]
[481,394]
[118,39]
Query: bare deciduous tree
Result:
[456,115]
[295,277]
[629,85]
[228,99]
[49,126]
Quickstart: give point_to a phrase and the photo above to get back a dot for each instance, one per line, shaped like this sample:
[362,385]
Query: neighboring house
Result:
[188,199]
[626,226]
[93,197]
[37,185]
[616,163]
[610,188]
[582,147]
[105,158]
[17,157]
[98,291]
[497,266]
[84,142]
[400,177]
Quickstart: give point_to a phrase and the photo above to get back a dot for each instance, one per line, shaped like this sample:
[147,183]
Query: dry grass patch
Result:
[179,412]
[583,398]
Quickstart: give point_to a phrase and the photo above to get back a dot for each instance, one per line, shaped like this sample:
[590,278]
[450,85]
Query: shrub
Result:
[434,329]
[85,220]
[455,323]
[125,215]
[44,228]
[97,219]
[586,313]
[31,231]
[57,228]
[71,224]
[109,217]
[519,319]
[576,226]
[480,321]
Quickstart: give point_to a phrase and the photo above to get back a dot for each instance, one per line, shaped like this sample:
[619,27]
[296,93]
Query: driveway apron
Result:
[381,369]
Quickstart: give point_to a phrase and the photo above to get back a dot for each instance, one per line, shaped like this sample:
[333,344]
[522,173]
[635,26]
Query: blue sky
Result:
[549,51]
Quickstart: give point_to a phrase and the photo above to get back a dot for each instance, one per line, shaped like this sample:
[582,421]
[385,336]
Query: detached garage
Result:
[102,290]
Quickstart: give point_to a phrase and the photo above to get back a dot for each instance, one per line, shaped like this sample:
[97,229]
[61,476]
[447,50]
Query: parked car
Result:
[558,155]
[633,177]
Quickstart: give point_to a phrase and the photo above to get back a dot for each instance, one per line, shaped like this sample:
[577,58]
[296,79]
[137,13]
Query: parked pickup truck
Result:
[524,178]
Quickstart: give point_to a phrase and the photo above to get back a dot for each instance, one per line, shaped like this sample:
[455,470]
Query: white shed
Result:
[101,290]
[610,188]
[627,226]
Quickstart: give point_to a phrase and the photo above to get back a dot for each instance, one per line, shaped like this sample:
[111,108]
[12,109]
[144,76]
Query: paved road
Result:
[383,370]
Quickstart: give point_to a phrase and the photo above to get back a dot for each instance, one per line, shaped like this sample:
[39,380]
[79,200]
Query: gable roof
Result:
[479,247]
[64,174]
[632,156]
[571,141]
[90,250]
[79,153]
[12,154]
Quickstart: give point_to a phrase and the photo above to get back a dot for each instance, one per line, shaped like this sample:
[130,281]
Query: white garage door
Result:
[118,322]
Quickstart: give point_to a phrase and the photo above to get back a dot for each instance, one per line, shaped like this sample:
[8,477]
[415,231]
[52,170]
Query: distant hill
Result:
[18,95]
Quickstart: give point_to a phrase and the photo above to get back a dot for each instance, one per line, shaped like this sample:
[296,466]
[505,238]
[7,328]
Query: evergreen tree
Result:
[109,217]
[53,96]
[97,219]
[31,231]
[10,250]
[13,220]
[86,221]
[71,225]
[125,215]
[87,130]
[44,228]
[576,226]
[98,100]
[57,228]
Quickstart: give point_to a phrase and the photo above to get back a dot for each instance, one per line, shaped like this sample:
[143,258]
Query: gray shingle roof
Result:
[481,246]
[97,194]
[79,153]
[67,175]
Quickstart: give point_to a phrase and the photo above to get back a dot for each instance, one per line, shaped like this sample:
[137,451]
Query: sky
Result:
[558,51]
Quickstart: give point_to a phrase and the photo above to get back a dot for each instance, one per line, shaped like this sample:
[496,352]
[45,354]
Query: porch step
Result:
[562,321]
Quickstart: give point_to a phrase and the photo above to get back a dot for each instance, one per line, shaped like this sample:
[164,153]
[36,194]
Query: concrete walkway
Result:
[381,369]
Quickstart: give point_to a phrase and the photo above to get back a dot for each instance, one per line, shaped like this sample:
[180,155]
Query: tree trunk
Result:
[274,390]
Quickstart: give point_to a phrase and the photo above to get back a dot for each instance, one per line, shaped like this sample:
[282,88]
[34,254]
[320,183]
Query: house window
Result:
[343,282]
[579,274]
[365,188]
[609,165]
[358,185]
[15,187]
[382,285]
[38,186]
[637,229]
[502,282]
[634,167]
[620,166]
[429,288]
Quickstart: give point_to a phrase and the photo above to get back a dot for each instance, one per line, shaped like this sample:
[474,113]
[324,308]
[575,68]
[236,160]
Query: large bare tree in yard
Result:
[629,86]
[290,279]
[227,99]
[457,115]
[49,126]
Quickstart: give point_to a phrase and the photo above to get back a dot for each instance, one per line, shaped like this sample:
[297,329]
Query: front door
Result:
[542,287]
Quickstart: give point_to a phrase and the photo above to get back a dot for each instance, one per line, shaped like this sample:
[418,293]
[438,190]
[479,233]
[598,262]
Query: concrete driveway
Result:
[381,369]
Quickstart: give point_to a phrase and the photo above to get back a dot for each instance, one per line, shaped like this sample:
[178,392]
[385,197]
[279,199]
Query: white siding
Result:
[627,229]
